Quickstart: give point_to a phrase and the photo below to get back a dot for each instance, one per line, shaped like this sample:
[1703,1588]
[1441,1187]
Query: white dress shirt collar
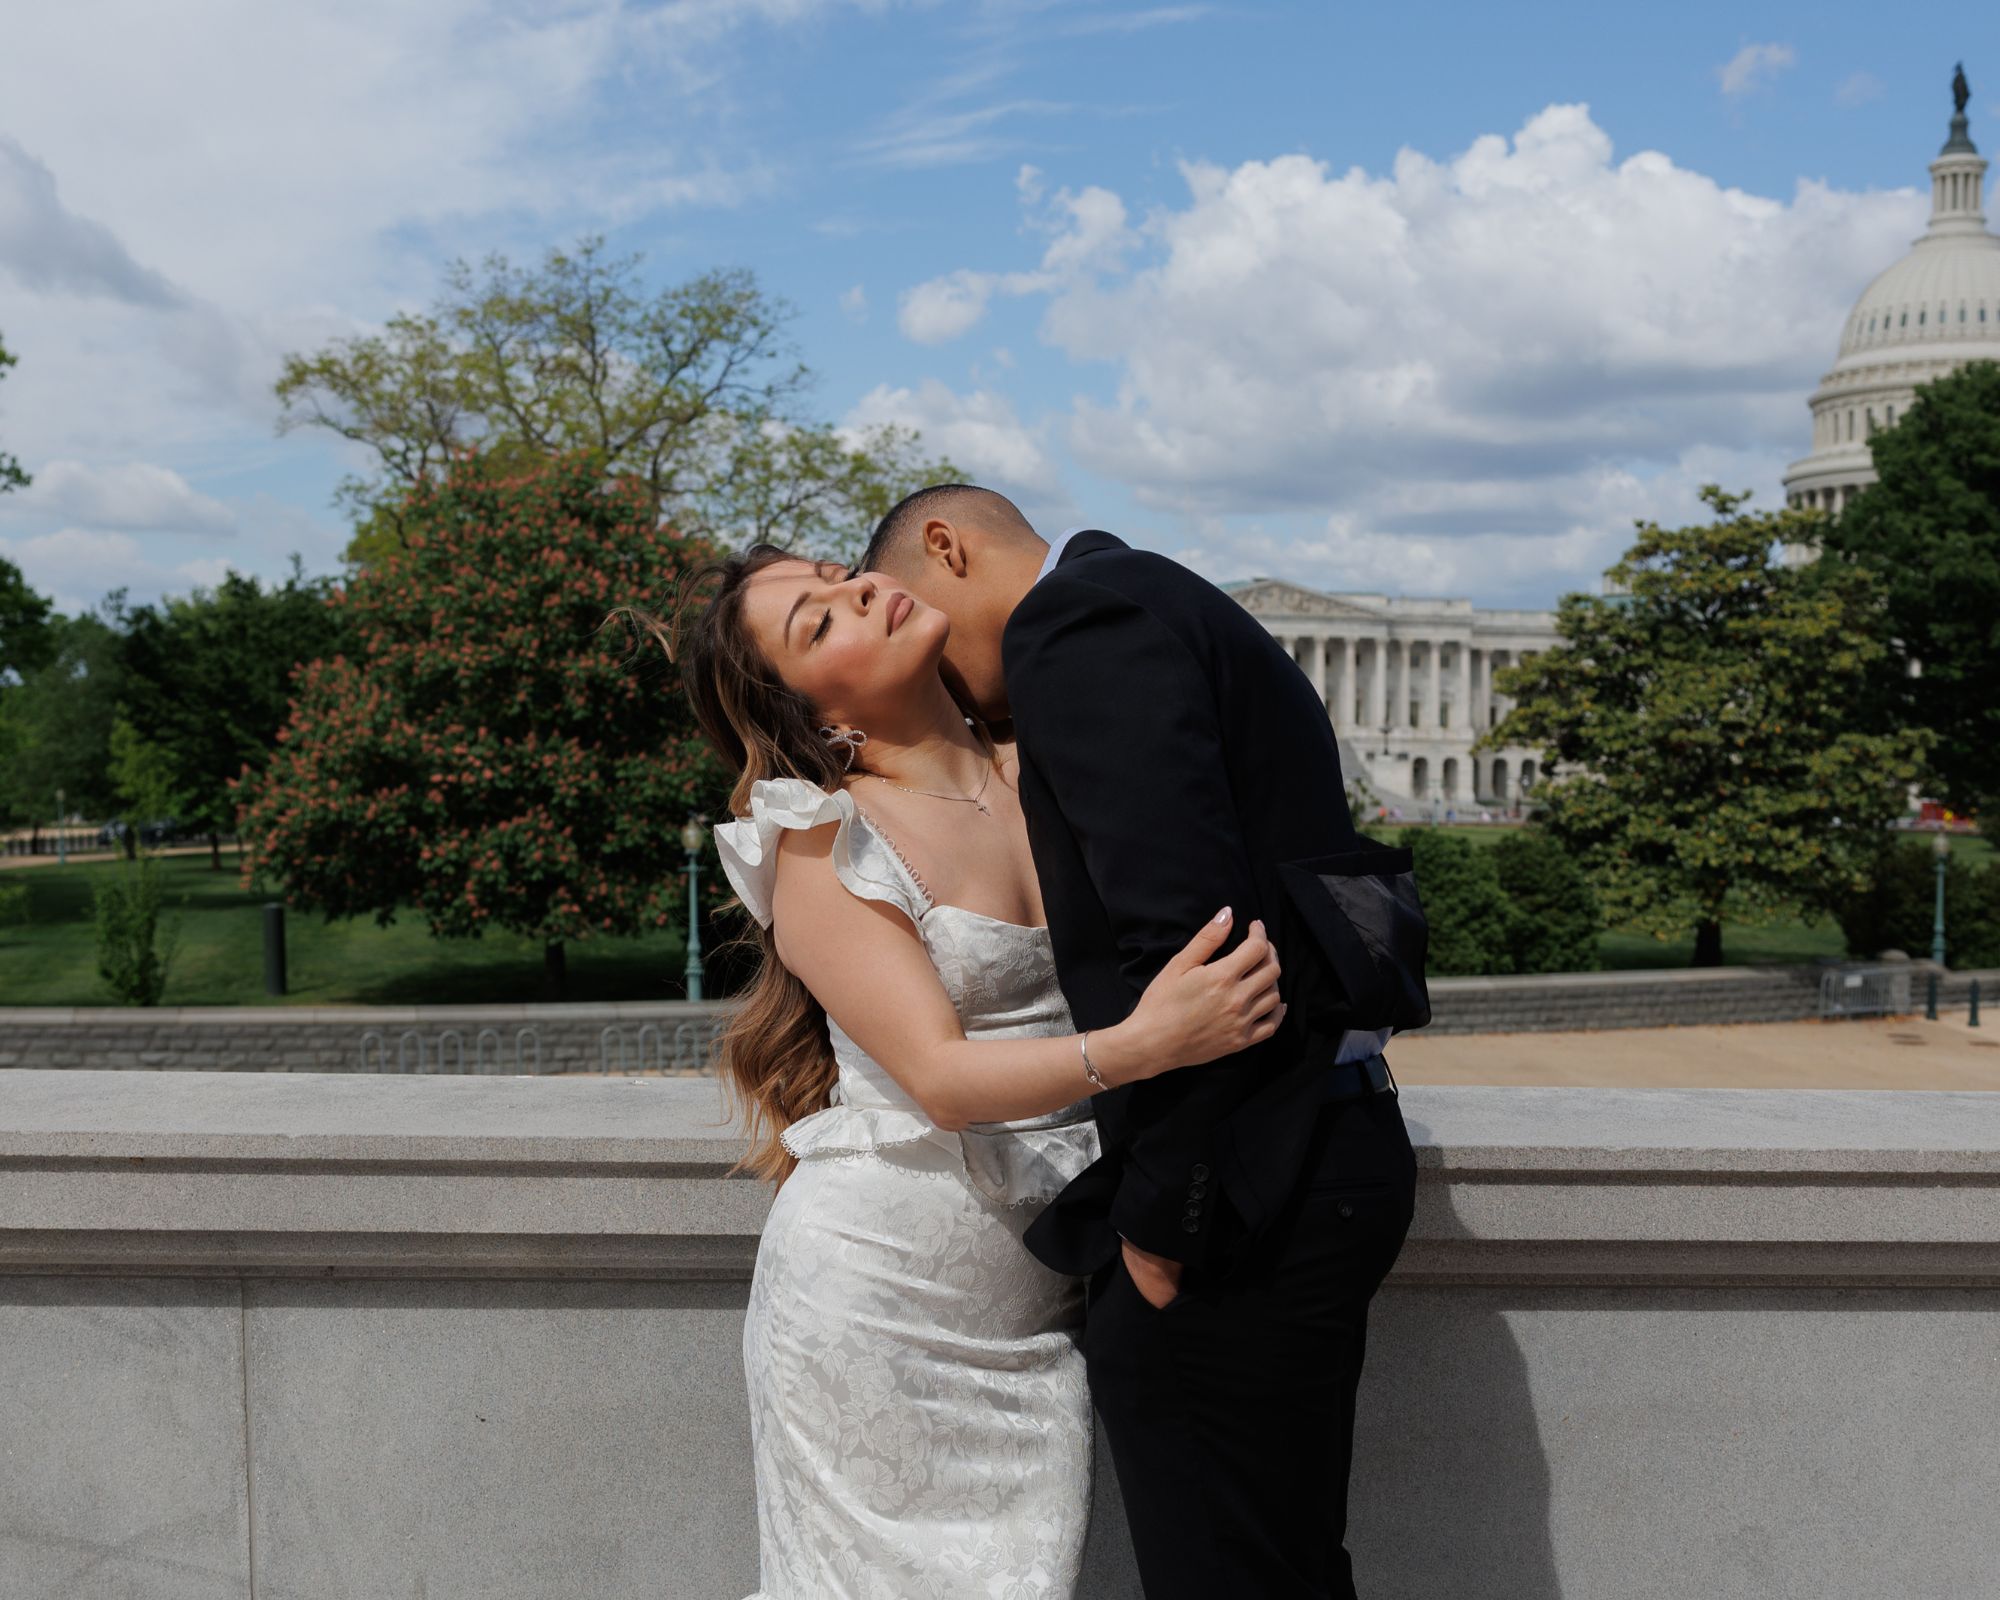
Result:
[1056,546]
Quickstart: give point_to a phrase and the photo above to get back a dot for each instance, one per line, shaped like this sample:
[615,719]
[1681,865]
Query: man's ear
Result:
[943,542]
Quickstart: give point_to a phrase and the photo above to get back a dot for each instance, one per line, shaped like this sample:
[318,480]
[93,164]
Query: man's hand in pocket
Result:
[1157,1278]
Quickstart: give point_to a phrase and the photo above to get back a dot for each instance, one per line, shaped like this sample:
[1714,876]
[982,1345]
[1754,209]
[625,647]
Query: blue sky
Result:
[1406,299]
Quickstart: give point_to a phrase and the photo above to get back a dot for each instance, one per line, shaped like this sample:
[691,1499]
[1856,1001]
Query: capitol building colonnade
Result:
[1408,686]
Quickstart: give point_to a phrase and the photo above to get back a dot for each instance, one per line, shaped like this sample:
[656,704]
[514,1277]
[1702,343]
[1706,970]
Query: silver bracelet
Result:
[1089,1068]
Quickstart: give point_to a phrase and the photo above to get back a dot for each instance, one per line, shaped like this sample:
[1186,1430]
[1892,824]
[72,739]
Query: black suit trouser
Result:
[1230,1411]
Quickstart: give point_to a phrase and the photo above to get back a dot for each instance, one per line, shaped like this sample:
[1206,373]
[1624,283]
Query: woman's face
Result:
[848,644]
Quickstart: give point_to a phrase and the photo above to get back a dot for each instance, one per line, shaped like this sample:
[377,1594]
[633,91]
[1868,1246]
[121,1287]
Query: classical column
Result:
[1343,718]
[1464,713]
[1378,683]
[1316,664]
[1432,681]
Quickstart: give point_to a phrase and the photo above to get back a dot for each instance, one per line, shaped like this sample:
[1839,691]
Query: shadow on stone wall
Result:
[1445,1405]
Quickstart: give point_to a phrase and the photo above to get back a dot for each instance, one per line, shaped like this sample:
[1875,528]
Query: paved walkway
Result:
[1905,1053]
[19,863]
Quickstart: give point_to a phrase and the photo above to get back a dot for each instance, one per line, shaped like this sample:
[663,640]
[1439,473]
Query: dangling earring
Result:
[854,739]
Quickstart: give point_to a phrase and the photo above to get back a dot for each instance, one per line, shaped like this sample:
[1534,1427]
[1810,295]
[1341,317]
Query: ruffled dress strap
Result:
[1012,1164]
[862,859]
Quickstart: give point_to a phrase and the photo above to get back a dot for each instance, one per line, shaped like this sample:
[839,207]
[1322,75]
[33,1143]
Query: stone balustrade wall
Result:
[573,1038]
[340,1337]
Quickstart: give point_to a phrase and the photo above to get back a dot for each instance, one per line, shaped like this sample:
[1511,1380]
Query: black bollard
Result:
[1972,1012]
[274,948]
[1930,998]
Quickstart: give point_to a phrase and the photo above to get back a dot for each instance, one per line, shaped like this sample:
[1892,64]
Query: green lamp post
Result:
[693,837]
[1941,847]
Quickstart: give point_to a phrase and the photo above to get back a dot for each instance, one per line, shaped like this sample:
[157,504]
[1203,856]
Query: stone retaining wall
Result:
[348,1338]
[672,1035]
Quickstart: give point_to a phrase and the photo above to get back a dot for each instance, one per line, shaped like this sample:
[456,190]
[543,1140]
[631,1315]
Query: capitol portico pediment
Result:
[1268,597]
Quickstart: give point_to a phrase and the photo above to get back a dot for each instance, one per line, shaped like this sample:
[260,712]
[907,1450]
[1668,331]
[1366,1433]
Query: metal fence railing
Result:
[445,1051]
[685,1047]
[1865,991]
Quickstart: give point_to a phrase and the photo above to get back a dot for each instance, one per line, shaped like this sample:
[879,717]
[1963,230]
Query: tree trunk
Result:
[555,970]
[215,852]
[1708,944]
[131,842]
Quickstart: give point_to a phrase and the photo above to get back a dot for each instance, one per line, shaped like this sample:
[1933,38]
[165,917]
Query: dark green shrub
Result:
[1462,902]
[133,951]
[1552,914]
[1896,909]
[1972,926]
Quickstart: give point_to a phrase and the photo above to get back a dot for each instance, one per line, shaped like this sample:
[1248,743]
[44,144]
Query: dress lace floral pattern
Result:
[919,1414]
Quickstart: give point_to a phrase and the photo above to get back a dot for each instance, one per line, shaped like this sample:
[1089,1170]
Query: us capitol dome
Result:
[1933,311]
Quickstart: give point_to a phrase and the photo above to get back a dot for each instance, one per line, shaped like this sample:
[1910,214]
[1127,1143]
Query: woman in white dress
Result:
[911,1077]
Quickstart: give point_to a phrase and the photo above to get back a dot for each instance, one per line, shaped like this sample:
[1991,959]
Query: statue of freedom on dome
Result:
[1959,92]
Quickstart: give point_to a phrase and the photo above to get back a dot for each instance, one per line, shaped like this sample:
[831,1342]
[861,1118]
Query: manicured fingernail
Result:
[1222,915]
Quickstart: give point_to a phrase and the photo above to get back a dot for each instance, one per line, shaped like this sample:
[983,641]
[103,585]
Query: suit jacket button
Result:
[1200,1173]
[1190,1225]
[1197,1190]
[1345,1208]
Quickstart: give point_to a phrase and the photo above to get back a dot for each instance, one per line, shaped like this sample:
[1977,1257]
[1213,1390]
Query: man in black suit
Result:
[1173,761]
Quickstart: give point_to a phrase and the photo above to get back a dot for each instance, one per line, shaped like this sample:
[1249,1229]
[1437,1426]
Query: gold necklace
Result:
[967,799]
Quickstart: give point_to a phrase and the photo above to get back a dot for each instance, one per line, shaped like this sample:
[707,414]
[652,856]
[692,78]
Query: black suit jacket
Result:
[1175,760]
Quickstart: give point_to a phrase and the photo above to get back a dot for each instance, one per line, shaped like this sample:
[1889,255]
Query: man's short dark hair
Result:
[910,513]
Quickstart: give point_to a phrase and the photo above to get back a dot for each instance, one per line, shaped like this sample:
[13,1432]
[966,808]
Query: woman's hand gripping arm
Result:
[866,964]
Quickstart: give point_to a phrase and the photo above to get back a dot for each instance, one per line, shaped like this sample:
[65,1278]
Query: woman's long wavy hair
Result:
[777,1059]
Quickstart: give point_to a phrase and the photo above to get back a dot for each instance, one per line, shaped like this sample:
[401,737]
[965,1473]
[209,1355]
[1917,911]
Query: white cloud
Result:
[944,308]
[1753,66]
[1474,372]
[854,304]
[1857,89]
[1133,21]
[1540,538]
[209,185]
[1090,232]
[1524,311]
[979,432]
[1090,235]
[134,495]
[46,247]
[77,567]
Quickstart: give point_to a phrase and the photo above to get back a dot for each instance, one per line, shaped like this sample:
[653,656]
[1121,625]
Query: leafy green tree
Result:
[55,725]
[692,392]
[485,756]
[1553,921]
[26,637]
[1462,902]
[1929,530]
[1972,924]
[27,642]
[11,475]
[208,683]
[142,776]
[1715,741]
[1895,907]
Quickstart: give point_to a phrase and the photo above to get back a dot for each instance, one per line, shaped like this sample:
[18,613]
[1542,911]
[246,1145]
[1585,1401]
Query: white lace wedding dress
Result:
[918,1409]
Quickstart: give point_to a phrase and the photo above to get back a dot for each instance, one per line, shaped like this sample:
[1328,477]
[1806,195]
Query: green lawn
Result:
[51,959]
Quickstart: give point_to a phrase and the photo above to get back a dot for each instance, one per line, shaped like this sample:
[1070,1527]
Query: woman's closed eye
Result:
[825,622]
